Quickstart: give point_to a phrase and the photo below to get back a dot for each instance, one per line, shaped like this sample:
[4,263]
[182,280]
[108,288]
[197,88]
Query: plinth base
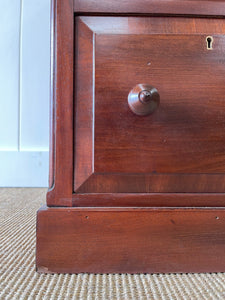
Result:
[130,240]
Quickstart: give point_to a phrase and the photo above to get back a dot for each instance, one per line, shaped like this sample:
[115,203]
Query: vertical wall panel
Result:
[9,73]
[24,92]
[24,169]
[35,73]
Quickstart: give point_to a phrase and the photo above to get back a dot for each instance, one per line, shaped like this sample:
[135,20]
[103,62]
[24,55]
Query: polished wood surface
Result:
[84,93]
[118,240]
[87,180]
[148,191]
[153,25]
[184,7]
[171,150]
[149,200]
[61,141]
[189,124]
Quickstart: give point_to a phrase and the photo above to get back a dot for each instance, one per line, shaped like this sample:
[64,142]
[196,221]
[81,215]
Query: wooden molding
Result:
[168,7]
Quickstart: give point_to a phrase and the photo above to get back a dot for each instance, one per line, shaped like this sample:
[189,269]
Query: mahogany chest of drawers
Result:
[137,158]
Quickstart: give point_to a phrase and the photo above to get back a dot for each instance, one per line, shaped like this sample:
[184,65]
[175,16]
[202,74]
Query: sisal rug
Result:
[20,281]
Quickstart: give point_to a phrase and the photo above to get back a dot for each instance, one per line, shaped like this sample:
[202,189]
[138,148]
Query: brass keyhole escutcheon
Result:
[143,99]
[209,42]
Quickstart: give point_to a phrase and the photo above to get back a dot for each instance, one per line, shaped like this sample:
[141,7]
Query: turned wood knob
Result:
[143,99]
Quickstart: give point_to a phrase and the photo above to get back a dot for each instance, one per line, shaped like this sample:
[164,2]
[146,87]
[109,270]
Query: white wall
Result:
[24,92]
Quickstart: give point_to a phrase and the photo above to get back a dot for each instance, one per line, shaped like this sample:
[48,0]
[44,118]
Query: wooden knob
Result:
[143,99]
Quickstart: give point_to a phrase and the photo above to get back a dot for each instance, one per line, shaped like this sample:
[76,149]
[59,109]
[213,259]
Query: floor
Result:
[19,280]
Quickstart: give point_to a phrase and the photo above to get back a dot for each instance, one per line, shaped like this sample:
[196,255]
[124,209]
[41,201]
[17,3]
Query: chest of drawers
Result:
[137,158]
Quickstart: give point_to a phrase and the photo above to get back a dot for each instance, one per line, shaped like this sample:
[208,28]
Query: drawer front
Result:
[180,146]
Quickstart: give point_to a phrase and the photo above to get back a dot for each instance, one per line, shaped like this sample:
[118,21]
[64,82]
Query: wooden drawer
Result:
[180,147]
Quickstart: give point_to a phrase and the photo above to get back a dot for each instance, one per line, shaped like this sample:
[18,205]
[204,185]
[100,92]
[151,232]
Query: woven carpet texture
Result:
[20,281]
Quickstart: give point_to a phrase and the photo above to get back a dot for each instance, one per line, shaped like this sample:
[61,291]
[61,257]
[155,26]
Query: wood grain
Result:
[61,154]
[85,164]
[149,200]
[118,240]
[184,7]
[171,150]
[154,25]
[153,176]
[84,102]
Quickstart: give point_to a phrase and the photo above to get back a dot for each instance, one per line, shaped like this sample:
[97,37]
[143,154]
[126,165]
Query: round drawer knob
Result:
[143,99]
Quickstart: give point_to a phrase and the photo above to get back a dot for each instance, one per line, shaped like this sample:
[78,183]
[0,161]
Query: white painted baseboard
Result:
[24,168]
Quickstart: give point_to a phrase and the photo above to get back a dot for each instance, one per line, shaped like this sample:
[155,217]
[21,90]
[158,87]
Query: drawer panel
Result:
[186,133]
[180,147]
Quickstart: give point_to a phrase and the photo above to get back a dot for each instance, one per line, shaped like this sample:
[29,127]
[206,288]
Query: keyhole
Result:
[209,41]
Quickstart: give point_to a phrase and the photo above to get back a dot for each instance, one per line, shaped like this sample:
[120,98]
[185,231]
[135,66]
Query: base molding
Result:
[130,240]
